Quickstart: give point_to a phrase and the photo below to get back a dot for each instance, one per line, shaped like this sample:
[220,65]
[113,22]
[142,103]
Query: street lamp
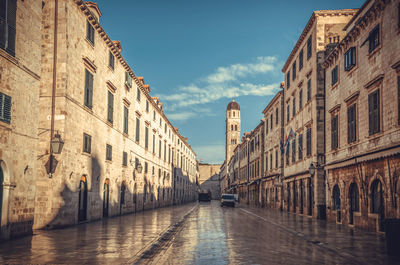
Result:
[56,144]
[311,169]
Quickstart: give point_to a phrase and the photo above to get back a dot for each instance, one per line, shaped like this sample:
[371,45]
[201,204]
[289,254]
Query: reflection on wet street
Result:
[215,235]
[209,235]
[109,241]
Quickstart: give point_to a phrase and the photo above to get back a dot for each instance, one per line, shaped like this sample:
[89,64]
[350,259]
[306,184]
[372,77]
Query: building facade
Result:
[118,152]
[20,76]
[363,119]
[209,179]
[304,110]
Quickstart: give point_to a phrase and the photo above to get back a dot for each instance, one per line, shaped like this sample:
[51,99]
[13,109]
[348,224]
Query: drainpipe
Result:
[53,92]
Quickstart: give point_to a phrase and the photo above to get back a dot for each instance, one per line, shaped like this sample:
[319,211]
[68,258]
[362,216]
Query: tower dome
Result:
[233,105]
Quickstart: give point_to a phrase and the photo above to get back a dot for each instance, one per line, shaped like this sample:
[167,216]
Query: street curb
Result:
[155,246]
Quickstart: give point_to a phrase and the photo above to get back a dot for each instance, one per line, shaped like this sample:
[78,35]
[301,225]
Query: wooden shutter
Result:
[110,107]
[137,130]
[370,113]
[11,28]
[3,23]
[5,108]
[334,132]
[126,116]
[349,125]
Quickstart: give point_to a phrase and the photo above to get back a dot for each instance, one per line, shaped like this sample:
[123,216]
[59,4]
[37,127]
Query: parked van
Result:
[228,200]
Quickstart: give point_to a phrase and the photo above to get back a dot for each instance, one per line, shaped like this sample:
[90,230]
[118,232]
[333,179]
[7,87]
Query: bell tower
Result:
[232,130]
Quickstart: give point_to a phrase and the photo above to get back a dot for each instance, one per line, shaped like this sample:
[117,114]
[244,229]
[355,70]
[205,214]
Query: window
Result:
[276,116]
[300,99]
[308,90]
[88,89]
[288,80]
[266,126]
[159,149]
[266,162]
[8,11]
[373,39]
[351,124]
[128,80]
[270,160]
[334,75]
[276,159]
[374,112]
[111,60]
[146,167]
[147,106]
[233,113]
[236,127]
[138,93]
[110,109]
[300,146]
[308,142]
[89,32]
[154,144]
[126,119]
[294,70]
[124,158]
[294,150]
[231,127]
[160,122]
[272,120]
[146,137]
[165,128]
[301,59]
[5,108]
[287,153]
[294,106]
[154,115]
[169,154]
[309,47]
[137,130]
[87,143]
[152,171]
[334,132]
[108,152]
[288,112]
[350,58]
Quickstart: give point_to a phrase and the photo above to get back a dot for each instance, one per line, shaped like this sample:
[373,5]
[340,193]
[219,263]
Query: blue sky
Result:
[198,55]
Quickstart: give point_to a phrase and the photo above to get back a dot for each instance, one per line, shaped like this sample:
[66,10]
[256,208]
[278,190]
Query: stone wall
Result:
[20,79]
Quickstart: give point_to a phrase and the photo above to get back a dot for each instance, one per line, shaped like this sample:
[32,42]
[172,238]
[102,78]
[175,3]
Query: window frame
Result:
[87,143]
[308,142]
[352,124]
[137,131]
[374,118]
[373,40]
[108,152]
[309,47]
[350,59]
[89,32]
[334,132]
[5,108]
[335,75]
[88,91]
[111,60]
[124,158]
[126,120]
[110,107]
[9,26]
[301,55]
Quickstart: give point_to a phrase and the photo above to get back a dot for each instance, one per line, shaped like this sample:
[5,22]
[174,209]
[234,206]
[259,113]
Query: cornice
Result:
[272,102]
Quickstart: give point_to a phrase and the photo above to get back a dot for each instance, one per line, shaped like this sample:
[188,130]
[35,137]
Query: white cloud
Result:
[180,116]
[225,82]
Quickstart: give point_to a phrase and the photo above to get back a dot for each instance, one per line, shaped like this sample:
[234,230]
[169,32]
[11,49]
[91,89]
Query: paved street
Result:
[209,235]
[215,235]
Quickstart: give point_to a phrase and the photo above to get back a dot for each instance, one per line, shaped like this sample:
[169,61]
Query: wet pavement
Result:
[242,235]
[209,234]
[115,240]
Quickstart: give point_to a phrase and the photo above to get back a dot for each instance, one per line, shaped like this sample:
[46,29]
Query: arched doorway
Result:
[135,196]
[122,199]
[294,196]
[336,202]
[288,197]
[310,197]
[354,201]
[301,196]
[1,191]
[106,197]
[83,192]
[377,202]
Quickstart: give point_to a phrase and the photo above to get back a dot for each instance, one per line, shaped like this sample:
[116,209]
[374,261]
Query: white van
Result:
[228,200]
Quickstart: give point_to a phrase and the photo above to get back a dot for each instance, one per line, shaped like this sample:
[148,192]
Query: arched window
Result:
[233,113]
[336,198]
[376,196]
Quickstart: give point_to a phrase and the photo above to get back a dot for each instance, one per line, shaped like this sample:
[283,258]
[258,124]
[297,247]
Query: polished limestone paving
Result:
[210,234]
[115,240]
[242,235]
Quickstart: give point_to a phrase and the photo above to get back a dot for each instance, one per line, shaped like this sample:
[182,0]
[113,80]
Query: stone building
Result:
[209,179]
[304,110]
[20,62]
[363,118]
[273,159]
[254,163]
[121,154]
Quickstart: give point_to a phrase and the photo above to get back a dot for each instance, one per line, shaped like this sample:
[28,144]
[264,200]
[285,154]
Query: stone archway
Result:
[336,202]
